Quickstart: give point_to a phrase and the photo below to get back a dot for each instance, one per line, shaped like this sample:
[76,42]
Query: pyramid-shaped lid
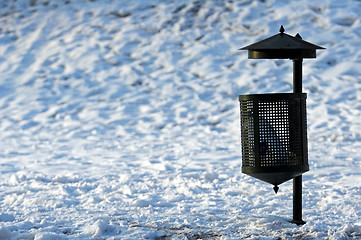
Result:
[282,46]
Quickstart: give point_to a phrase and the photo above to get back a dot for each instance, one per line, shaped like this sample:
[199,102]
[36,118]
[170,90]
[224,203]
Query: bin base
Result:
[275,175]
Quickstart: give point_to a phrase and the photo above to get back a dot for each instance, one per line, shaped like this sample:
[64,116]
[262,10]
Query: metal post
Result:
[297,201]
[297,181]
[297,75]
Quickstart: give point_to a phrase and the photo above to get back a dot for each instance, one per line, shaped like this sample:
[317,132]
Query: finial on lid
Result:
[298,36]
[282,30]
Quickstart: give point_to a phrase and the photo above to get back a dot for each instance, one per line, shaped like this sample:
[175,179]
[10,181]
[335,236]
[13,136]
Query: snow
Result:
[120,119]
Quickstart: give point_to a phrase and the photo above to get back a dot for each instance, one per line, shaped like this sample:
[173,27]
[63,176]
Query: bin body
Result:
[274,136]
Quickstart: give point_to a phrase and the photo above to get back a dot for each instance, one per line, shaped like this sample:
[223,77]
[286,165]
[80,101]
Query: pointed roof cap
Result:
[282,46]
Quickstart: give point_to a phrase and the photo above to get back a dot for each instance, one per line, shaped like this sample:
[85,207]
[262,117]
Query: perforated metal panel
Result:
[273,133]
[247,131]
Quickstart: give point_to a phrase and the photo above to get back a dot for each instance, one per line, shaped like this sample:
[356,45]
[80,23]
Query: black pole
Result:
[297,201]
[297,181]
[297,75]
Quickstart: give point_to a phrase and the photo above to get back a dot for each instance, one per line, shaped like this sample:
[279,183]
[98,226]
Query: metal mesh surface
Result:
[273,128]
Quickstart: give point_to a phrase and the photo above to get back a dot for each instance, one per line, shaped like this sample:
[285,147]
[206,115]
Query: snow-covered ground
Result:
[120,119]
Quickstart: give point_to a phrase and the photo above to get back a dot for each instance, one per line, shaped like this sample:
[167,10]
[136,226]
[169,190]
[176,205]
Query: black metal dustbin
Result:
[274,138]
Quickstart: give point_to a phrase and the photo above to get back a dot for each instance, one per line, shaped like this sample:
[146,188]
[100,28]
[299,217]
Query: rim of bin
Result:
[272,96]
[275,169]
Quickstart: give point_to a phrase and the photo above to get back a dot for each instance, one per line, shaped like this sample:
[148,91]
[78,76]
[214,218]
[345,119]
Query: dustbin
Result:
[273,136]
